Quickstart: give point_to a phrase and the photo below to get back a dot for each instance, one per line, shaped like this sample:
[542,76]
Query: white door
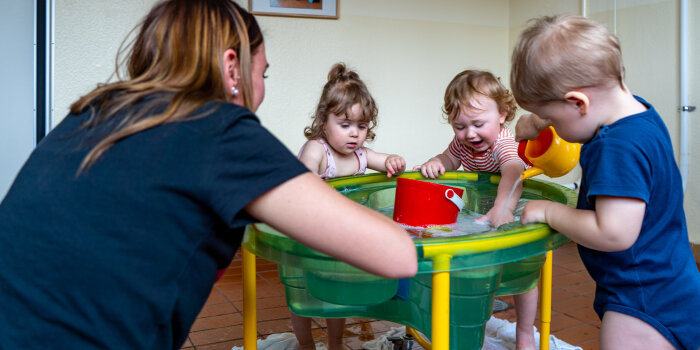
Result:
[17,114]
[692,193]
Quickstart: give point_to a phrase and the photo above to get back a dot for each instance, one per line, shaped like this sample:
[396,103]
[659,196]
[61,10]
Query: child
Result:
[344,119]
[477,106]
[629,222]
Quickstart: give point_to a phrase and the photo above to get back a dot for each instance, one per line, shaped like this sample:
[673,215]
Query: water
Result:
[505,205]
[465,225]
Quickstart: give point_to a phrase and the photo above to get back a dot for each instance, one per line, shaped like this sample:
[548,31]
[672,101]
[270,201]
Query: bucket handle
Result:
[454,198]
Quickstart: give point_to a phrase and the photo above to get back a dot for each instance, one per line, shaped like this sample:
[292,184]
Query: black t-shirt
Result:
[124,255]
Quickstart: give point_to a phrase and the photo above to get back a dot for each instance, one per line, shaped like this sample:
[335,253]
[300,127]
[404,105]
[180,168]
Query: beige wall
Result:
[406,51]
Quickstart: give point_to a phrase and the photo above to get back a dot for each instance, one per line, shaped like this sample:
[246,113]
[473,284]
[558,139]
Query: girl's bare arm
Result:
[510,173]
[437,165]
[389,163]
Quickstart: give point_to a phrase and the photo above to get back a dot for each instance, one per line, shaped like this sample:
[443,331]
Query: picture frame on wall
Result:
[327,9]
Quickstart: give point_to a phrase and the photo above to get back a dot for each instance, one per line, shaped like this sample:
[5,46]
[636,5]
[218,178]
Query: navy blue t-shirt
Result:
[656,279]
[124,255]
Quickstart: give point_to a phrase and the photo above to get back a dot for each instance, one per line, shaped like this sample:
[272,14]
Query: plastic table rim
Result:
[441,255]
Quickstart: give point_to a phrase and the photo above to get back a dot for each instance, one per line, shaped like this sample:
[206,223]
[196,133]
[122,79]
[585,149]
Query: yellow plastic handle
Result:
[550,155]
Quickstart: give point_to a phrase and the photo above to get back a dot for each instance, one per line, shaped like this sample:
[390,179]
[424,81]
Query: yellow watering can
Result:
[548,154]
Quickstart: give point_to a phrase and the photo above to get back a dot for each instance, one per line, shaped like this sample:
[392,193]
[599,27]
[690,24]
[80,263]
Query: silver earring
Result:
[234,91]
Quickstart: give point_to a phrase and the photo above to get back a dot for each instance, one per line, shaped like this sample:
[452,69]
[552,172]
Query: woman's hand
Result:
[394,164]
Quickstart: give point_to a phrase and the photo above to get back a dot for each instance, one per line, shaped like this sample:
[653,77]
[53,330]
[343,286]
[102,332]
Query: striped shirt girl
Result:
[504,150]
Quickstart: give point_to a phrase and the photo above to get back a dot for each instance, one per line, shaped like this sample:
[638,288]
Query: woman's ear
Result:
[578,100]
[231,73]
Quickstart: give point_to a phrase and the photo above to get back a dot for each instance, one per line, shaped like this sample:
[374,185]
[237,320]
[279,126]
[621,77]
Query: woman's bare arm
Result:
[308,210]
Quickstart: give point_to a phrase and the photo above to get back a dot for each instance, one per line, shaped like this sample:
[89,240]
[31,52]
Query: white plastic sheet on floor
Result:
[500,335]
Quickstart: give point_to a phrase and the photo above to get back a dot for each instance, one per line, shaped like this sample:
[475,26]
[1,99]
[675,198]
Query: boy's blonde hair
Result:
[343,90]
[465,85]
[558,54]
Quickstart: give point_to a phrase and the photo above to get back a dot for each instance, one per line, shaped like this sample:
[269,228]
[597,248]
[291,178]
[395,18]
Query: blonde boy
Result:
[629,222]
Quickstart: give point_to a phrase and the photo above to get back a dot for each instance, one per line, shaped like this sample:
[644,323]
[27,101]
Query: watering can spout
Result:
[530,172]
[548,154]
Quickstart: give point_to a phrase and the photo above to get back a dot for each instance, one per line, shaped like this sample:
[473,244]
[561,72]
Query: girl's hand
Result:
[534,212]
[432,168]
[394,164]
[492,217]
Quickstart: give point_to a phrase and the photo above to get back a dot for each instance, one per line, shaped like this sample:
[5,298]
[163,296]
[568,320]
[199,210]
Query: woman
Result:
[114,229]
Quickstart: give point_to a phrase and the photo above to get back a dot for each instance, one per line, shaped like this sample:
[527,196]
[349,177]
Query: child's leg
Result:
[526,311]
[620,331]
[302,330]
[336,326]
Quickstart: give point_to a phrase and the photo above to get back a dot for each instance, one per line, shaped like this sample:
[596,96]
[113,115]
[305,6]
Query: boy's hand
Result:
[529,126]
[395,164]
[534,212]
[432,168]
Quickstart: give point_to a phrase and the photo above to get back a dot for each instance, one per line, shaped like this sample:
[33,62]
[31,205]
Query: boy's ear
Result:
[578,100]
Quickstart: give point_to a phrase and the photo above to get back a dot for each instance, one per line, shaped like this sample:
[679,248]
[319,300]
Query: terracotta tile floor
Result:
[220,324]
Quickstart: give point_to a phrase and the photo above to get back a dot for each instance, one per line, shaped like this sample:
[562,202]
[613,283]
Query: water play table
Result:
[450,298]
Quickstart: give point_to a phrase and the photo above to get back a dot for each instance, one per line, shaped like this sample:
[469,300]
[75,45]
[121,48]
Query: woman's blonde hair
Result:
[558,54]
[465,85]
[343,90]
[175,61]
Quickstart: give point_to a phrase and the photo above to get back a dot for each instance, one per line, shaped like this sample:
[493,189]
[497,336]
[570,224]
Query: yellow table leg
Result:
[440,317]
[546,301]
[250,316]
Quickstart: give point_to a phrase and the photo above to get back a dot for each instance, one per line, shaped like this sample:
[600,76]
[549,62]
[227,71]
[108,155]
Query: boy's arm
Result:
[613,226]
[312,156]
[529,126]
[389,163]
[437,165]
[510,172]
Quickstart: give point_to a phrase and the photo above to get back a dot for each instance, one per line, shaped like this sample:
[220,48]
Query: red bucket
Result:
[422,204]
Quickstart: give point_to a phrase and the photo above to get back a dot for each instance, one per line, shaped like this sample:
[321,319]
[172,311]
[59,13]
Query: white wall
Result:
[692,194]
[406,51]
[648,32]
[88,34]
[520,12]
[651,53]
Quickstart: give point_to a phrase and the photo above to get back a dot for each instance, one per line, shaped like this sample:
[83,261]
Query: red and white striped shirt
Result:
[504,150]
